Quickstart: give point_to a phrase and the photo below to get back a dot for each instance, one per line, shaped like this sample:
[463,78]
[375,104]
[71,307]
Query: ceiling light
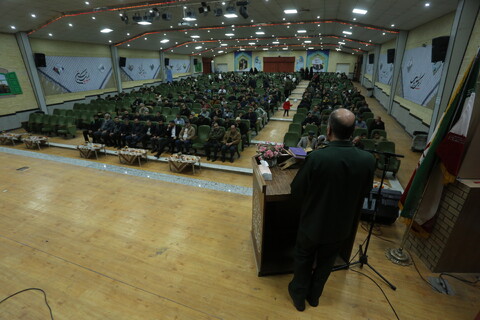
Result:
[284,48]
[230,11]
[392,25]
[93,18]
[290,11]
[302,31]
[259,32]
[224,45]
[347,32]
[109,41]
[310,48]
[275,42]
[12,27]
[106,30]
[195,36]
[70,25]
[340,42]
[229,34]
[128,45]
[307,41]
[33,15]
[164,41]
[128,34]
[199,47]
[251,43]
[427,4]
[265,49]
[50,35]
[87,3]
[383,34]
[144,23]
[354,19]
[221,51]
[359,11]
[145,38]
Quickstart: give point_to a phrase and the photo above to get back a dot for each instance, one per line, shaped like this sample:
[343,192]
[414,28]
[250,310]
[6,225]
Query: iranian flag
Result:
[451,149]
[445,142]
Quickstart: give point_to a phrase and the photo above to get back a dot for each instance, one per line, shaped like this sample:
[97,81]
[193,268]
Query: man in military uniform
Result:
[330,189]
[230,142]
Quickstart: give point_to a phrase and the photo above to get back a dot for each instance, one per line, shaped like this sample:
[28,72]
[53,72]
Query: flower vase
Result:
[271,162]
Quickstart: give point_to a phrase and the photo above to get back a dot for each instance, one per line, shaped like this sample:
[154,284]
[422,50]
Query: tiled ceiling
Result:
[323,20]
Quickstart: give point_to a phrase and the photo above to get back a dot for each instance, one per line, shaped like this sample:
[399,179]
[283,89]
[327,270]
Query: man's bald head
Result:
[341,123]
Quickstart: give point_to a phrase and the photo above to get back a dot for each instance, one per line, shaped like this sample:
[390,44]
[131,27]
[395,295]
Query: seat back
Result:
[360,132]
[295,128]
[310,127]
[369,144]
[367,115]
[291,139]
[383,133]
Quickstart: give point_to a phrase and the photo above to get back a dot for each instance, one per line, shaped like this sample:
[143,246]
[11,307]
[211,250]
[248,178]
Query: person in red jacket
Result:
[286,107]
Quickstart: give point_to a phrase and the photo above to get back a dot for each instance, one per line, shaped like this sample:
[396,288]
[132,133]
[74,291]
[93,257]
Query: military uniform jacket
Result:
[232,137]
[329,189]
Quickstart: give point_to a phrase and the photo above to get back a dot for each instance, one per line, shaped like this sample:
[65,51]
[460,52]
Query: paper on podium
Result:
[298,153]
[265,172]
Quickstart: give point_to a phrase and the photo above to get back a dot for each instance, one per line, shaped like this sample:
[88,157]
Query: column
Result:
[375,64]
[116,68]
[162,66]
[27,55]
[397,66]
[364,68]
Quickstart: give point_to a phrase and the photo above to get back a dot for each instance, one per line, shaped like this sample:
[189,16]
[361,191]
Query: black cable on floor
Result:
[418,271]
[384,294]
[472,283]
[37,289]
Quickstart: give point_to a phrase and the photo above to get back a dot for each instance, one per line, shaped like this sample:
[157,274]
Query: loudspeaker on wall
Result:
[390,55]
[167,61]
[122,62]
[371,57]
[40,60]
[439,48]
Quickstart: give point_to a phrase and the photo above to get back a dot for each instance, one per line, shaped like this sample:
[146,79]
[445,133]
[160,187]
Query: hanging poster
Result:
[141,69]
[299,63]
[385,70]
[74,74]
[318,60]
[258,63]
[179,65]
[420,76]
[243,61]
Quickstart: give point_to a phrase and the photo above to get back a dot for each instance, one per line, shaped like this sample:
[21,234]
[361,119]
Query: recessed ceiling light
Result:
[144,23]
[109,41]
[251,20]
[302,31]
[383,34]
[199,47]
[186,46]
[164,40]
[33,15]
[290,11]
[229,34]
[224,45]
[347,32]
[283,19]
[50,35]
[128,45]
[223,22]
[275,42]
[194,36]
[307,41]
[265,49]
[310,48]
[230,15]
[87,3]
[369,40]
[359,11]
[70,25]
[93,18]
[145,38]
[221,51]
[318,17]
[427,4]
[128,34]
[392,25]
[351,27]
[284,48]
[251,43]
[241,49]
[354,19]
[259,32]
[340,42]
[13,27]
[106,30]
[223,3]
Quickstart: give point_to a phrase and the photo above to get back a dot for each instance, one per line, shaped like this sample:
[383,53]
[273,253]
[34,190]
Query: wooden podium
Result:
[275,221]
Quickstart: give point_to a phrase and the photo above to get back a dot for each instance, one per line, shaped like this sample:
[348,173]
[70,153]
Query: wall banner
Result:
[141,69]
[179,65]
[385,70]
[318,59]
[243,60]
[76,74]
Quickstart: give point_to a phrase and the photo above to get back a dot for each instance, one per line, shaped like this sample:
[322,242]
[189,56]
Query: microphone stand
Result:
[363,259]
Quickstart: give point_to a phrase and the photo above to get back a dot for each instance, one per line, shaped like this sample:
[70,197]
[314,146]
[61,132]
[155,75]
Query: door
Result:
[207,65]
[285,64]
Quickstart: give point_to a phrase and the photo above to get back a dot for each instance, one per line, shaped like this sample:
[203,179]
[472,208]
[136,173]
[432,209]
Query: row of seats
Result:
[49,124]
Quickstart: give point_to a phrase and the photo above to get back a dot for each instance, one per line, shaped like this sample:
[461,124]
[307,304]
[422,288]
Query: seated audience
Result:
[185,138]
[230,142]
[214,141]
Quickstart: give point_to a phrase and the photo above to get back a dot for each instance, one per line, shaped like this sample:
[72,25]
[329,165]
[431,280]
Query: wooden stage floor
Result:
[109,245]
